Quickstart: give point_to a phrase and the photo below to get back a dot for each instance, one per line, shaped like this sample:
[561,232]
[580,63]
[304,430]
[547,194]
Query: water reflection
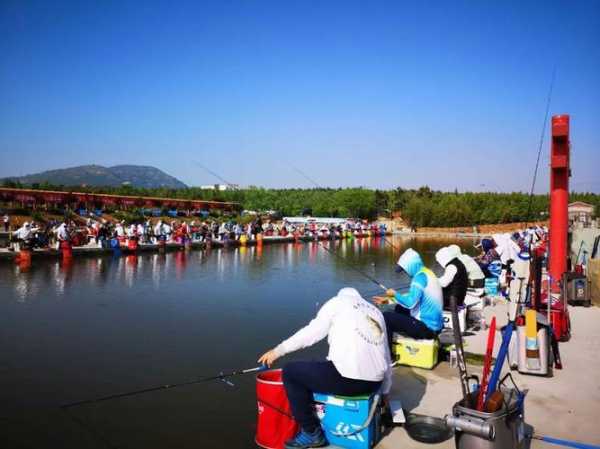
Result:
[148,319]
[54,277]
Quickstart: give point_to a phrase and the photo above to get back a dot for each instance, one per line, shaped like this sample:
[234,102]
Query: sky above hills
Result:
[380,94]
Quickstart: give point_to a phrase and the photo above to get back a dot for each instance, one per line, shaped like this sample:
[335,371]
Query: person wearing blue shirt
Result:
[418,313]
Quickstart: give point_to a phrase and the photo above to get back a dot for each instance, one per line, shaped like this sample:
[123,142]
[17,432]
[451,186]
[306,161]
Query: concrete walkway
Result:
[566,406]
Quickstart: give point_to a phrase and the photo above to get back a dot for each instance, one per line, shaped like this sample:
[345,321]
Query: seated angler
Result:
[455,279]
[475,287]
[488,254]
[358,362]
[418,313]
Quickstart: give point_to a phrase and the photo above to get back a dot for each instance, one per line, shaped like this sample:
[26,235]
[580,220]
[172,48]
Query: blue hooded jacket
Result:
[424,298]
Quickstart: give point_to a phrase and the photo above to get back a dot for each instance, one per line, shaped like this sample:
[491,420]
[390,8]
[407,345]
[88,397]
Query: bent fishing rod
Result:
[221,376]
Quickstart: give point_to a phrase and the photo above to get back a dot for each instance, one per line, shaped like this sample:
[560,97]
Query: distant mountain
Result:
[97,175]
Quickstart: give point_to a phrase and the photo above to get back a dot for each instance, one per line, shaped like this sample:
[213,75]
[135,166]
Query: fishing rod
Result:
[208,170]
[349,265]
[221,376]
[537,163]
[305,176]
[399,287]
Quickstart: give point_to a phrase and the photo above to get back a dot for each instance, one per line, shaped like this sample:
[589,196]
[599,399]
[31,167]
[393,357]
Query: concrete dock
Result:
[564,406]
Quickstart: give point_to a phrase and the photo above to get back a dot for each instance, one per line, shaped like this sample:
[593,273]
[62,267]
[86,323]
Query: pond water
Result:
[103,325]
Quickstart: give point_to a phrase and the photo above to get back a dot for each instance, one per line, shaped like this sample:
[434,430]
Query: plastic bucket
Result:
[24,259]
[275,424]
[132,244]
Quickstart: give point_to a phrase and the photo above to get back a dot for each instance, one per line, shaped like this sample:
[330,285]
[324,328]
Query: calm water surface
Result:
[102,325]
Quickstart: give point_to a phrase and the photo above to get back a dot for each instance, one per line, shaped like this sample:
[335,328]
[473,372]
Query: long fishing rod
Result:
[221,376]
[216,175]
[305,176]
[537,163]
[399,287]
[349,265]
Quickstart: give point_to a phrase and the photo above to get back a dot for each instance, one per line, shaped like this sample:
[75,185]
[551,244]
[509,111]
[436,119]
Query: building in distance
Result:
[220,187]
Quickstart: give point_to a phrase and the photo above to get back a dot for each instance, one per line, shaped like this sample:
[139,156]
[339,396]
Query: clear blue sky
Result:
[380,94]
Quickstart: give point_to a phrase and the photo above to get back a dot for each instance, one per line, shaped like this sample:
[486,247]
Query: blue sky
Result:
[379,94]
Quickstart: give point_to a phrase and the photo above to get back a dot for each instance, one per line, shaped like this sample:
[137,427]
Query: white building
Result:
[580,212]
[220,187]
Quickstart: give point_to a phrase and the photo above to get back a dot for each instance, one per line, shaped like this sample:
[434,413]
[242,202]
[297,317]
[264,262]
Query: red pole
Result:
[559,198]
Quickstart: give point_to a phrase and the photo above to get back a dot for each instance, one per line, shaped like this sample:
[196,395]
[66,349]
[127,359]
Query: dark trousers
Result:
[301,379]
[400,321]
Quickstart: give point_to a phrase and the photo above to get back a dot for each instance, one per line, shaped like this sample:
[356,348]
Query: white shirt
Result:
[448,276]
[23,233]
[61,232]
[355,331]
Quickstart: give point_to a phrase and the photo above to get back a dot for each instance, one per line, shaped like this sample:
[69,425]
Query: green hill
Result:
[97,175]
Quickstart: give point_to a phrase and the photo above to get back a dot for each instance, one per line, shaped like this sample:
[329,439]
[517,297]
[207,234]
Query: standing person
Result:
[159,231]
[455,279]
[6,221]
[358,362]
[23,236]
[418,313]
[62,234]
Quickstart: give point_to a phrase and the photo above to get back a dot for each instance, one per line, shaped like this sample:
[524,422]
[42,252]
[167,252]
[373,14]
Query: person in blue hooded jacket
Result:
[418,313]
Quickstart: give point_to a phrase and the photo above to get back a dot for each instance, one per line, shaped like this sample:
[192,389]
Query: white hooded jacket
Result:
[356,333]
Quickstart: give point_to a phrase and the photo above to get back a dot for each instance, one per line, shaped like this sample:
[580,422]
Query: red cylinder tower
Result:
[559,198]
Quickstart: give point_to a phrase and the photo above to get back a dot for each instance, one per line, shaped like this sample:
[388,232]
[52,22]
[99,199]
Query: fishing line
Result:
[305,176]
[162,387]
[93,432]
[349,265]
[213,173]
[537,163]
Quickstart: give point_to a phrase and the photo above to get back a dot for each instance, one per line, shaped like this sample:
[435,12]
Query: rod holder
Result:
[480,429]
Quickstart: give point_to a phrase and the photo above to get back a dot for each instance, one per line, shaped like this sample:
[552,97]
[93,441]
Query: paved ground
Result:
[566,406]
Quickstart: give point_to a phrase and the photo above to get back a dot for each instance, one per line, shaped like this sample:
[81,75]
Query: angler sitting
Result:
[476,283]
[455,279]
[358,362]
[418,313]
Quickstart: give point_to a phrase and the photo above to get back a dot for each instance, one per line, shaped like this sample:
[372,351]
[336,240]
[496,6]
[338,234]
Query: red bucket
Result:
[132,244]
[275,423]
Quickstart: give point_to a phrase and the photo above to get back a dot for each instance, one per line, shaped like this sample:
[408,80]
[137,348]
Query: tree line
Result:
[421,207]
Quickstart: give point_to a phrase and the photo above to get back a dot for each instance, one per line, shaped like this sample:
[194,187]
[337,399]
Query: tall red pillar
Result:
[559,198]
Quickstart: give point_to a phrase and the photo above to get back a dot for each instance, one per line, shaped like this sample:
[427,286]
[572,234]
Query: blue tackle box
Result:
[345,420]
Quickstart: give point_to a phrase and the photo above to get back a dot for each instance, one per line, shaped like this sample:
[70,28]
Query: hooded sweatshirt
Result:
[455,280]
[424,299]
[476,276]
[355,331]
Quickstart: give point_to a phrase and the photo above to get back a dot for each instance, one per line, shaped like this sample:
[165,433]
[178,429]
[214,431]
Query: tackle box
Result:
[418,353]
[345,420]
[462,319]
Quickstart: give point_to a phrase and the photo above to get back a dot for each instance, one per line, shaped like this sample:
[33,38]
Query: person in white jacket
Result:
[475,288]
[358,362]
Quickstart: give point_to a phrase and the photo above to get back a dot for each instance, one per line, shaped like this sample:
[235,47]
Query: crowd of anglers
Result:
[103,233]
